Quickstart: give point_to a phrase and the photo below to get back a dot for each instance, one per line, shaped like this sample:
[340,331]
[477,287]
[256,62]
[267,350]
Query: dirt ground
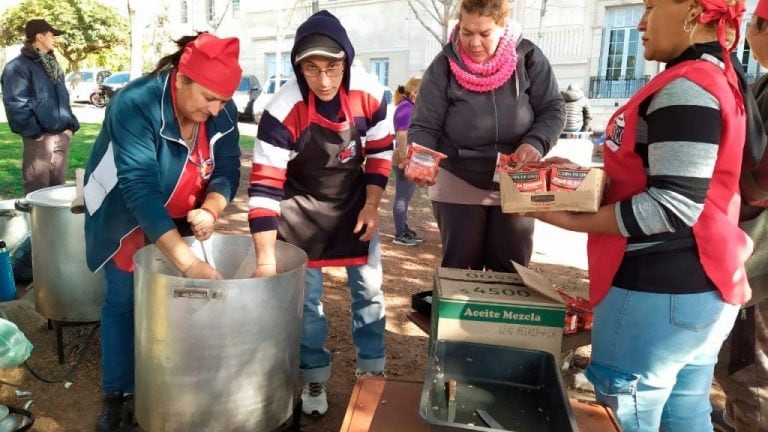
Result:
[407,270]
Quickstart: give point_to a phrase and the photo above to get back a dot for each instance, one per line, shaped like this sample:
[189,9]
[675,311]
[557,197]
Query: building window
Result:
[621,59]
[184,7]
[380,68]
[210,10]
[235,8]
[285,72]
[744,52]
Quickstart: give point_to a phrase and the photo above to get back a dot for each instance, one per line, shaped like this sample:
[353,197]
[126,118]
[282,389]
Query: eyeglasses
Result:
[332,71]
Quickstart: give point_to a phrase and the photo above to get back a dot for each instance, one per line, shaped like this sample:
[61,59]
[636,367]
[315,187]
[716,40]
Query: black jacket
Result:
[471,127]
[34,103]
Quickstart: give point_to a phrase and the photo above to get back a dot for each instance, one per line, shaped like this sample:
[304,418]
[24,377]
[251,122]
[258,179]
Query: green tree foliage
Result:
[92,28]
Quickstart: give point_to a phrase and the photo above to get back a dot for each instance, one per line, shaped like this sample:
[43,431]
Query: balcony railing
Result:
[604,88]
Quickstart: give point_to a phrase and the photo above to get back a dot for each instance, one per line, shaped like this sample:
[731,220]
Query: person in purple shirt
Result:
[405,97]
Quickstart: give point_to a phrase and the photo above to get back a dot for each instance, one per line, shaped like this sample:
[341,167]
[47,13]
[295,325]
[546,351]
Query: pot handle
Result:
[196,293]
[22,205]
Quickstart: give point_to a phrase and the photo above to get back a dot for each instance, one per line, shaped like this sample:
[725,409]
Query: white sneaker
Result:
[314,401]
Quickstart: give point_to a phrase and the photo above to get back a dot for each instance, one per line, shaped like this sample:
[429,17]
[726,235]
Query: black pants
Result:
[482,237]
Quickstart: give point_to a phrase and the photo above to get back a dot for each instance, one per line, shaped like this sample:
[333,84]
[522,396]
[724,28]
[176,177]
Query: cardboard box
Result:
[586,198]
[516,310]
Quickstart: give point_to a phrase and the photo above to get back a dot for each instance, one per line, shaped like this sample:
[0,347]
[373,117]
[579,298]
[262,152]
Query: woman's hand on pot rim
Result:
[264,270]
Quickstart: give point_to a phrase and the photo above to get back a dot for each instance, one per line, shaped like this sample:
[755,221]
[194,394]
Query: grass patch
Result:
[11,184]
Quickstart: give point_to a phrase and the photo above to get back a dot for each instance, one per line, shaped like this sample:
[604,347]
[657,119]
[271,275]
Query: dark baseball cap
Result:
[319,45]
[35,26]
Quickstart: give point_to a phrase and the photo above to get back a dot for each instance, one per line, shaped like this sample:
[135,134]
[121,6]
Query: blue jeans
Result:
[653,357]
[403,193]
[117,347]
[368,322]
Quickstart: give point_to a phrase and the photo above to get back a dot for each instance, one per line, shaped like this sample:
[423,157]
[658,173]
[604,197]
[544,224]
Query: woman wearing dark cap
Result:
[320,165]
[165,164]
[666,254]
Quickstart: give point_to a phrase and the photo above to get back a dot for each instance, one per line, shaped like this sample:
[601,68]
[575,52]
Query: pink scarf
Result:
[492,73]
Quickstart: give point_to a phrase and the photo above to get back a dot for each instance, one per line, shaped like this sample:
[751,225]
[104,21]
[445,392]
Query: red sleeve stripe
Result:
[267,171]
[382,143]
[260,213]
[378,166]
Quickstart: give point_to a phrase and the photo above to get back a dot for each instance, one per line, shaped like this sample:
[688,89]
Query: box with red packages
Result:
[570,188]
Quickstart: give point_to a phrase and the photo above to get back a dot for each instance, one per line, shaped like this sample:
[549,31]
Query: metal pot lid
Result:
[55,196]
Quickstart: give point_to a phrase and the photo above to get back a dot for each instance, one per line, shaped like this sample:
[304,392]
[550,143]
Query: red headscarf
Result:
[761,9]
[725,16]
[213,63]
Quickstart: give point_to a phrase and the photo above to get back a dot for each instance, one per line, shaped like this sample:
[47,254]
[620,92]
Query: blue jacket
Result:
[137,161]
[34,103]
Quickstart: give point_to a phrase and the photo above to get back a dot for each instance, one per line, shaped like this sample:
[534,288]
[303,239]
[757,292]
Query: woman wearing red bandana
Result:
[165,164]
[666,254]
[488,92]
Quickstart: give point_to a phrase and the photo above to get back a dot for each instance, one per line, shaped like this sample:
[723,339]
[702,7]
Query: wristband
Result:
[265,264]
[371,204]
[210,212]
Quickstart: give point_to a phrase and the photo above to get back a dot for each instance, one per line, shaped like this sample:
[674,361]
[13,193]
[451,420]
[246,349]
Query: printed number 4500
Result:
[498,291]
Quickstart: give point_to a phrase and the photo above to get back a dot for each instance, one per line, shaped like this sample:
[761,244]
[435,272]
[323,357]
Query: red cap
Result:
[213,63]
[761,9]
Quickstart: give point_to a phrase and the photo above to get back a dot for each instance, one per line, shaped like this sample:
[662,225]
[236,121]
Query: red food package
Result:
[571,323]
[578,313]
[530,178]
[561,178]
[422,162]
[506,163]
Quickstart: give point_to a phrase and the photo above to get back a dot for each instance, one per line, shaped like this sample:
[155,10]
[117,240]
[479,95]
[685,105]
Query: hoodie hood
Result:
[572,94]
[324,23]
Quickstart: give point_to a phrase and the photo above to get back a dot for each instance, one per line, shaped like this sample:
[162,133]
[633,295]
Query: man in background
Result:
[37,106]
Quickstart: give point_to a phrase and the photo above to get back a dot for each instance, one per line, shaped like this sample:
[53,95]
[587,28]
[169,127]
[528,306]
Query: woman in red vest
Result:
[666,256]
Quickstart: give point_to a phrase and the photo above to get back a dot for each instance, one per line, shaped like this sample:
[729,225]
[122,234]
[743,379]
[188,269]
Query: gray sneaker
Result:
[404,240]
[314,400]
[413,236]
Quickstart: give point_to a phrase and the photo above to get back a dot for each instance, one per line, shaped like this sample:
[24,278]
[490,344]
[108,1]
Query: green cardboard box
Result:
[520,310]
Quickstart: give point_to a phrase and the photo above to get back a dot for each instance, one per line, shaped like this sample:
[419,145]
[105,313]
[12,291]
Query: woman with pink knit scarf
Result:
[488,92]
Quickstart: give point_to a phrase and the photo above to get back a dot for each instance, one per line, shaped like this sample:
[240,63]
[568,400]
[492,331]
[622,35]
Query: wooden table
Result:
[379,405]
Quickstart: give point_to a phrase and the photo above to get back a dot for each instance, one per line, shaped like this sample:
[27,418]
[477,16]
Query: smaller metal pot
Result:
[65,290]
[14,224]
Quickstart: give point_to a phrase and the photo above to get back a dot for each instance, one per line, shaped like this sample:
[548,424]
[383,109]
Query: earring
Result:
[687,26]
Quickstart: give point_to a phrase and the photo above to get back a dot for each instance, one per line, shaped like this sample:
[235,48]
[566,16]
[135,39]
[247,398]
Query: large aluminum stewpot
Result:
[217,355]
[65,290]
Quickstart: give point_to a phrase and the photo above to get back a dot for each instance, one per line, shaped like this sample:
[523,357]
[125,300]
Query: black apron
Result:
[325,190]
